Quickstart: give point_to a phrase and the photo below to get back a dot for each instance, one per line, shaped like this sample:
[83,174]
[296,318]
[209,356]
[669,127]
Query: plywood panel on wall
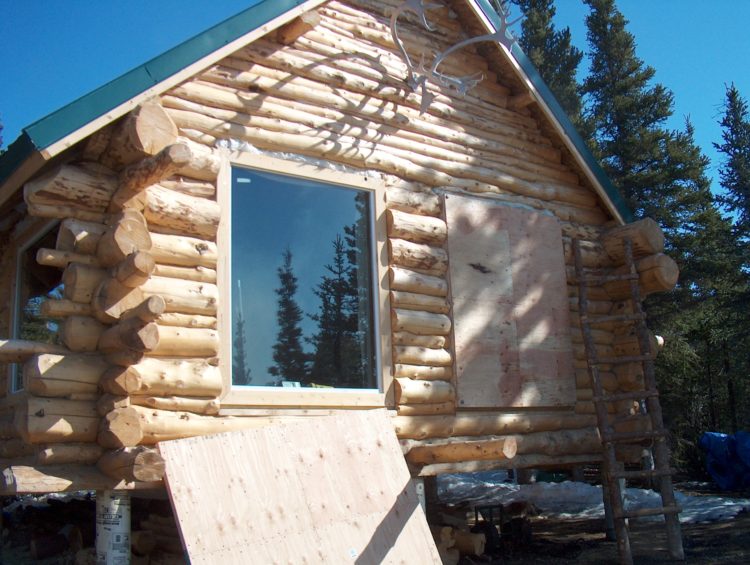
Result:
[510,306]
[333,489]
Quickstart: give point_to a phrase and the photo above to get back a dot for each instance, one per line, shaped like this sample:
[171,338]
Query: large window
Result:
[302,308]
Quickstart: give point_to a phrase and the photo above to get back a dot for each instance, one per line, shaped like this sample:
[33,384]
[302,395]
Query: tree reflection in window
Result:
[302,306]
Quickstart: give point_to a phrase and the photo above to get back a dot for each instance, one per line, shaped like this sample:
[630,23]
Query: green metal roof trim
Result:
[562,117]
[66,120]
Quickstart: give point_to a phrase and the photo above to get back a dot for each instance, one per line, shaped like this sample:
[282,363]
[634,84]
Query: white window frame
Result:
[260,397]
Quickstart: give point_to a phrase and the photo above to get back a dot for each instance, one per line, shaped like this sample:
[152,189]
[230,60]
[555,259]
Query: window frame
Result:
[260,397]
[25,240]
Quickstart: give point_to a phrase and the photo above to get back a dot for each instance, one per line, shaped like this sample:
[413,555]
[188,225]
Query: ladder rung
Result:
[617,360]
[615,318]
[644,473]
[637,395]
[630,436]
[599,279]
[649,512]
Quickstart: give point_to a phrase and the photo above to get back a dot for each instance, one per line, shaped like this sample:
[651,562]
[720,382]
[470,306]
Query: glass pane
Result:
[301,283]
[36,284]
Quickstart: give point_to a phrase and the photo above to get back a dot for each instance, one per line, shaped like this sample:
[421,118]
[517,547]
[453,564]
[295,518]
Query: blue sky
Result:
[54,52]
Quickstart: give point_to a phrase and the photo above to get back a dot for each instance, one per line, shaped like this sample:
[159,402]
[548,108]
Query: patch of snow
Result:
[578,500]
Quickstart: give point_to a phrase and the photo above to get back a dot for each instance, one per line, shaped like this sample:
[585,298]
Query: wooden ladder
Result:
[650,396]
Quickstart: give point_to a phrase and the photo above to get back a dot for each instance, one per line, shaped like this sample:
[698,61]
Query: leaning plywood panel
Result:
[338,492]
[511,312]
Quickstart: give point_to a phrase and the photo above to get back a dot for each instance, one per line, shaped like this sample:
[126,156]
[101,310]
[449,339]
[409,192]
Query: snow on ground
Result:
[578,500]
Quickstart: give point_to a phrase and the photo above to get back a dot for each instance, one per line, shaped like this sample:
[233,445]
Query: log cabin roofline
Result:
[52,135]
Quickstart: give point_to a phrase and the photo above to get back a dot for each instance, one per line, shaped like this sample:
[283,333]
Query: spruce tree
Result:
[290,361]
[552,53]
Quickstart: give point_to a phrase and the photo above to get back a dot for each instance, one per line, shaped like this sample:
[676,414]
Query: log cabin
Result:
[287,216]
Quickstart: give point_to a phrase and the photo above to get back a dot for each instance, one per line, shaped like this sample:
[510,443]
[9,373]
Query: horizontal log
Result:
[68,453]
[165,377]
[89,188]
[645,235]
[186,342]
[518,462]
[200,274]
[133,334]
[425,409]
[479,424]
[135,269]
[56,420]
[136,425]
[150,310]
[80,333]
[181,213]
[423,302]
[55,375]
[144,131]
[420,323]
[187,320]
[80,281]
[209,406]
[193,187]
[61,259]
[20,479]
[132,464]
[183,251]
[411,391]
[186,297]
[418,229]
[129,235]
[64,308]
[407,338]
[427,258]
[422,372]
[18,350]
[464,450]
[423,202]
[560,442]
[78,236]
[417,355]
[411,281]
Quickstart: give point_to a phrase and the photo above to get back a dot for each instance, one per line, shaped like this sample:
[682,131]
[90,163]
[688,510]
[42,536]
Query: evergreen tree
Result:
[552,53]
[337,359]
[735,172]
[240,370]
[289,358]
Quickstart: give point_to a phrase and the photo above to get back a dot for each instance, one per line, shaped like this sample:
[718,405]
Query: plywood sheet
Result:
[331,489]
[510,306]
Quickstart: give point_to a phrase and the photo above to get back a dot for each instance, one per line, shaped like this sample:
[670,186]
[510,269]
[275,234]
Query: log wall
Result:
[138,254]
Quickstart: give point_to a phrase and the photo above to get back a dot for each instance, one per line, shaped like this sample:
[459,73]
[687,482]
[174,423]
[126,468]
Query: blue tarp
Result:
[728,459]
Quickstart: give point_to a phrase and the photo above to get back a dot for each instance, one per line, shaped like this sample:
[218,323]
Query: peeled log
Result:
[420,323]
[135,269]
[18,350]
[165,377]
[431,341]
[627,345]
[136,177]
[181,213]
[411,281]
[89,188]
[186,342]
[560,442]
[418,256]
[645,235]
[424,302]
[422,427]
[178,403]
[64,308]
[113,299]
[61,259]
[410,391]
[54,375]
[656,273]
[80,281]
[149,310]
[133,334]
[422,372]
[200,274]
[426,409]
[412,201]
[419,229]
[126,237]
[187,297]
[79,236]
[54,420]
[68,453]
[183,251]
[449,452]
[416,355]
[81,333]
[144,131]
[127,427]
[132,464]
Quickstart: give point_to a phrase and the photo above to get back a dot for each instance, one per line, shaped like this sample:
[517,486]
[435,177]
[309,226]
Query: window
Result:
[304,312]
[35,284]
